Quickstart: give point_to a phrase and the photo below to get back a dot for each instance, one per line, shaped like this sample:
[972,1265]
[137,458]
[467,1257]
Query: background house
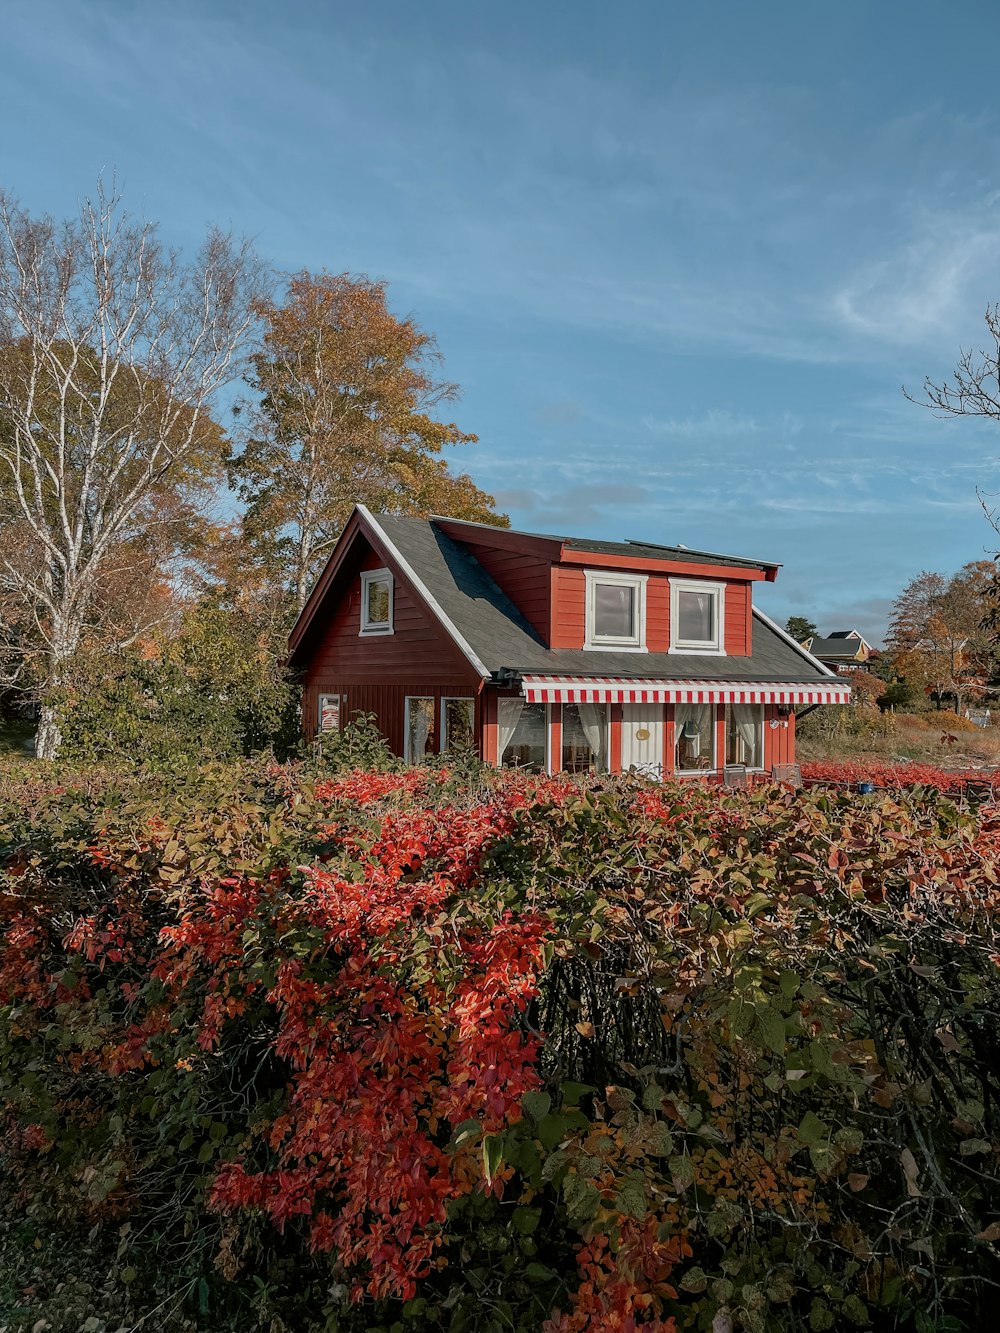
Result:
[843,651]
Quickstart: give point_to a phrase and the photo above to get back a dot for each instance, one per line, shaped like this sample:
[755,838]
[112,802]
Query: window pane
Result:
[614,611]
[526,747]
[745,734]
[419,729]
[694,737]
[378,602]
[459,723]
[696,617]
[584,738]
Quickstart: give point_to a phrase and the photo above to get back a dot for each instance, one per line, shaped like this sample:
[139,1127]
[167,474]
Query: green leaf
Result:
[631,1196]
[771,1025]
[812,1129]
[581,1198]
[536,1272]
[573,1093]
[659,1141]
[788,983]
[694,1280]
[525,1220]
[492,1155]
[536,1105]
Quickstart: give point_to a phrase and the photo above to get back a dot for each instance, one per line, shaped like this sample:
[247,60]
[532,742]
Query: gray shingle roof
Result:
[501,637]
[836,647]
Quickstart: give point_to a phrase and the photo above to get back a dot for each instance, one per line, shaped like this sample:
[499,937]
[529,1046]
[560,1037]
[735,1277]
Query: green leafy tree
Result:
[800,629]
[215,689]
[346,415]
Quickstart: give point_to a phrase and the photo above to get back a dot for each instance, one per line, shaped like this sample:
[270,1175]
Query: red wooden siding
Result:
[738,619]
[374,673]
[524,577]
[779,741]
[568,607]
[568,599]
[658,613]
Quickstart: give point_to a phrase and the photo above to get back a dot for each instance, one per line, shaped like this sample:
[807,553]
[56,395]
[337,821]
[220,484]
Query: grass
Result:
[939,738]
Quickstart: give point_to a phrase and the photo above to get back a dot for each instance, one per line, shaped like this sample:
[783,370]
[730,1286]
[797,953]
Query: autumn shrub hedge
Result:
[418,1050]
[896,776]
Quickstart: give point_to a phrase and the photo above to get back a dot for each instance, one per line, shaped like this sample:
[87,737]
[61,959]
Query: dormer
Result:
[621,597]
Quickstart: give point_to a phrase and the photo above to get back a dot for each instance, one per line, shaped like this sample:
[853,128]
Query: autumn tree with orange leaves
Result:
[939,637]
[347,414]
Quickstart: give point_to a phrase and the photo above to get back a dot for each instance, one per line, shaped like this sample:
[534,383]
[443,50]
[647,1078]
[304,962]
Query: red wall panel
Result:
[375,673]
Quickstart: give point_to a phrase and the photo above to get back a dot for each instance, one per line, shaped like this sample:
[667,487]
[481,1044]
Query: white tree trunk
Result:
[110,353]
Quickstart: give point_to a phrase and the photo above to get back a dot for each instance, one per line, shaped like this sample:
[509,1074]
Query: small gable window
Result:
[616,610]
[376,601]
[696,616]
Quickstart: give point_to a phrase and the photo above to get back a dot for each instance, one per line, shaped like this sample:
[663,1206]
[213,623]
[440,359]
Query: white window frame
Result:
[714,647]
[611,643]
[368,577]
[445,701]
[407,757]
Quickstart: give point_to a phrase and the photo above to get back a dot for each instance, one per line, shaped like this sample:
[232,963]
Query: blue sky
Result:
[680,258]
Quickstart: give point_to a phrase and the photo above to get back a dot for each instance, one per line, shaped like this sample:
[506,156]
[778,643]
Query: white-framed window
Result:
[694,738]
[376,601]
[328,714]
[616,610]
[418,728]
[458,723]
[697,616]
[745,734]
[584,738]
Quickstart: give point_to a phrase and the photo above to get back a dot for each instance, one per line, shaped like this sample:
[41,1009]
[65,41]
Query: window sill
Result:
[697,651]
[614,648]
[376,633]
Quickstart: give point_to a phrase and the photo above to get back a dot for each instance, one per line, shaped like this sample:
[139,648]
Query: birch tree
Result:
[347,414]
[111,352]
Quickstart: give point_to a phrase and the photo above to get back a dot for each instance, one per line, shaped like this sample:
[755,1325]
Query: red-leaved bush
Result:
[891,776]
[387,1049]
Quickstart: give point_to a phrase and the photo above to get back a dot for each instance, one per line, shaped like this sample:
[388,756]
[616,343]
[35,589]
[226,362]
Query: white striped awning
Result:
[621,690]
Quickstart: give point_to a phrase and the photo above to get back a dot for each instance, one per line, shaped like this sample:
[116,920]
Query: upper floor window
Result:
[697,616]
[616,610]
[376,601]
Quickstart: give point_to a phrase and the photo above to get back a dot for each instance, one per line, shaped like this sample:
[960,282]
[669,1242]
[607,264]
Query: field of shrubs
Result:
[463,1050]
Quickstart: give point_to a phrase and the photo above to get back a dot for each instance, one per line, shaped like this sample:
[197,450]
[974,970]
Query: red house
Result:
[556,653]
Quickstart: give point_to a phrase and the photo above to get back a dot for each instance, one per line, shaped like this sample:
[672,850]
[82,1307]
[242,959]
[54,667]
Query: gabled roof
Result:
[495,637]
[838,646]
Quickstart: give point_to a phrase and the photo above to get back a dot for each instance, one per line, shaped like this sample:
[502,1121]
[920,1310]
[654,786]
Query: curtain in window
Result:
[508,715]
[693,739]
[593,718]
[748,719]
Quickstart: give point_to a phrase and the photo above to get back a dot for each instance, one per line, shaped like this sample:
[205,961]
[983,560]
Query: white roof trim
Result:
[369,518]
[821,667]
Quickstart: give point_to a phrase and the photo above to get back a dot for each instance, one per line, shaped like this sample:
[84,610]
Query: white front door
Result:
[642,739]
